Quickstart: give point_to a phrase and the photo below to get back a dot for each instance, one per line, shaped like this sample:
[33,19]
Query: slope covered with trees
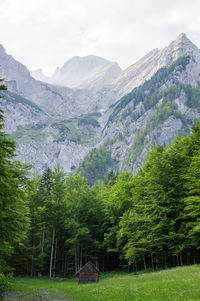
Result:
[52,224]
[155,112]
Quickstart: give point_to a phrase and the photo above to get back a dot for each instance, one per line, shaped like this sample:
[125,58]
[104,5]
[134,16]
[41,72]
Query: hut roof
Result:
[88,263]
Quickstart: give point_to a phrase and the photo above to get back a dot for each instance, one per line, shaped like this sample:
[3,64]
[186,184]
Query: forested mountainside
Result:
[154,113]
[53,224]
[95,130]
[146,217]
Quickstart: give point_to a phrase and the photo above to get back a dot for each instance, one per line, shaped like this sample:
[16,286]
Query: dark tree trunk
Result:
[103,264]
[166,261]
[152,263]
[32,273]
[135,267]
[181,258]
[144,261]
[177,261]
[156,259]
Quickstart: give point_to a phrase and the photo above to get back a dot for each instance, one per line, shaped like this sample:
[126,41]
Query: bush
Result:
[4,284]
[88,121]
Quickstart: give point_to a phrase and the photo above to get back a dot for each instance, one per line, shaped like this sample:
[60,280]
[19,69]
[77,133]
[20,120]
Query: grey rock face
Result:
[102,78]
[133,128]
[45,121]
[19,114]
[11,70]
[79,71]
[50,153]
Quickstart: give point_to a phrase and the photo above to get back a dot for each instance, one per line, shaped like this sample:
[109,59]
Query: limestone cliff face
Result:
[18,112]
[155,112]
[49,153]
[11,70]
[54,124]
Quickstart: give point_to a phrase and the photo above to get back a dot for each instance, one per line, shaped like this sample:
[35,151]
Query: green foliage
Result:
[80,132]
[147,220]
[14,211]
[116,201]
[62,127]
[70,129]
[47,210]
[159,209]
[193,97]
[85,216]
[192,176]
[88,121]
[2,87]
[52,225]
[111,178]
[30,132]
[96,164]
[4,284]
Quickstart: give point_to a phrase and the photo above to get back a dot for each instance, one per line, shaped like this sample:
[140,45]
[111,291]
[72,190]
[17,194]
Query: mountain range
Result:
[93,116]
[90,72]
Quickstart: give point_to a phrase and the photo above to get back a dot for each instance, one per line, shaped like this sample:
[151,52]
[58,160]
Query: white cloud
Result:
[45,33]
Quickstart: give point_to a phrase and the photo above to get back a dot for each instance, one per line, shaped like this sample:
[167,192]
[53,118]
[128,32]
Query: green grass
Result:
[182,283]
[29,132]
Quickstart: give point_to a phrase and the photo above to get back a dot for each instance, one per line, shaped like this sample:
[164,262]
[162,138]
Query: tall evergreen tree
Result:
[14,214]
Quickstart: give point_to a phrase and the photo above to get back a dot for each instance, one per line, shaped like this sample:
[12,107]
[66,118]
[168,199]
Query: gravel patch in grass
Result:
[42,295]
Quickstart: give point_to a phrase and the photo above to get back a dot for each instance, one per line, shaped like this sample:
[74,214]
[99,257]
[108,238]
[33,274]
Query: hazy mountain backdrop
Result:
[93,116]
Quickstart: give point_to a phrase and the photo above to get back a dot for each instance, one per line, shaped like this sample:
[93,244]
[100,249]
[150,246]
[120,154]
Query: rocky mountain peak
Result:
[182,37]
[146,67]
[11,70]
[183,44]
[88,62]
[79,70]
[180,46]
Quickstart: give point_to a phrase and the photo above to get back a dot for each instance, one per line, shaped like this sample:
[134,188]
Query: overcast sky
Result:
[46,33]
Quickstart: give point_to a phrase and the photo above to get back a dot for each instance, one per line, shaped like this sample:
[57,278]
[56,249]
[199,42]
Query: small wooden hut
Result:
[88,273]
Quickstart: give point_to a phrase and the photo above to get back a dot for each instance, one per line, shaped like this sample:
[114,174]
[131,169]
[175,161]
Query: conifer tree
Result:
[14,213]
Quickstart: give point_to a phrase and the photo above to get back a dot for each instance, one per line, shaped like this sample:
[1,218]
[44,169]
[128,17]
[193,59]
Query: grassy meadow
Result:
[181,283]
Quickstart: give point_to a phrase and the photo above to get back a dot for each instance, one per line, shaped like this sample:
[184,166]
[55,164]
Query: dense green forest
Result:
[96,164]
[52,224]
